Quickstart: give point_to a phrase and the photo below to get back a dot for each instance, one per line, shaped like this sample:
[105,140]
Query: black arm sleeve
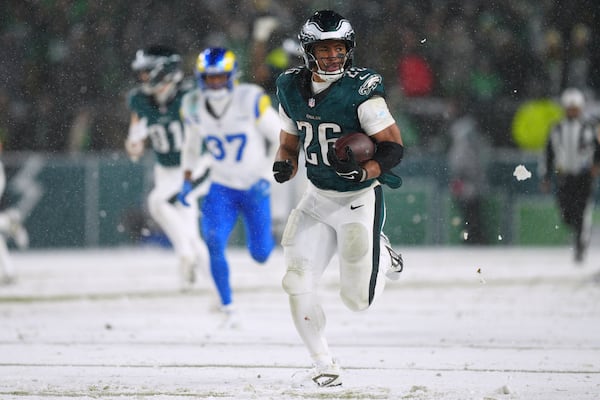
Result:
[388,155]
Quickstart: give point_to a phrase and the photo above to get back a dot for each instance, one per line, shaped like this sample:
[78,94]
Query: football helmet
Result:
[215,61]
[326,25]
[159,71]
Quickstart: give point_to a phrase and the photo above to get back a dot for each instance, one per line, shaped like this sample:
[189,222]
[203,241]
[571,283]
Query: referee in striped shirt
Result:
[573,156]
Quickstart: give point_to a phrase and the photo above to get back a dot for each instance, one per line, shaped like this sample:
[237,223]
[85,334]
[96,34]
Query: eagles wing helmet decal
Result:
[313,32]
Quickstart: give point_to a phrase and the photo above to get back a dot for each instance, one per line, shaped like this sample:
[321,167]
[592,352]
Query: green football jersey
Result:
[165,128]
[324,117]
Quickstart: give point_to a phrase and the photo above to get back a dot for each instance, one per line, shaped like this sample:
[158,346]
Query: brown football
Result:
[360,143]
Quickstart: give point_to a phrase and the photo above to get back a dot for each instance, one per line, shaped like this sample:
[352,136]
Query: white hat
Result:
[572,98]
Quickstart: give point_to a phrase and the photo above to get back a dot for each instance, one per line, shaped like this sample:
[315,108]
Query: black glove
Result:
[282,170]
[349,168]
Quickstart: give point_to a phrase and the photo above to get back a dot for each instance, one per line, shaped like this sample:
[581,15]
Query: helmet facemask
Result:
[216,92]
[343,62]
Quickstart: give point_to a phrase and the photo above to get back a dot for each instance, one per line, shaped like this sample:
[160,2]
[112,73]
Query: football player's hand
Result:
[282,170]
[135,149]
[349,168]
[138,131]
[185,190]
[263,27]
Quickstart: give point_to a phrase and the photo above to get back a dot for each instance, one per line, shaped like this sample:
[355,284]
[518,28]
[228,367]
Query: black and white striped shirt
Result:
[572,148]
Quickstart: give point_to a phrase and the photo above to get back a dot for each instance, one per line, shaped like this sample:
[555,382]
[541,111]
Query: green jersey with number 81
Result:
[324,117]
[165,128]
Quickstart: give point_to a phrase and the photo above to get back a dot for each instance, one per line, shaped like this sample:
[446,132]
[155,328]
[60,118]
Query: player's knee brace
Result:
[297,280]
[354,241]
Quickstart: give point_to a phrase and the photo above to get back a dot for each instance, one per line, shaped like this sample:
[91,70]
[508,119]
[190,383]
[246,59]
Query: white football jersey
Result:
[237,140]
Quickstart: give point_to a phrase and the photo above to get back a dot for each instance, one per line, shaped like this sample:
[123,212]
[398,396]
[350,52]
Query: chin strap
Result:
[330,76]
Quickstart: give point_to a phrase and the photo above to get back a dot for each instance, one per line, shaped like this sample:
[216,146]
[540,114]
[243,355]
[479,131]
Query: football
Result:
[360,143]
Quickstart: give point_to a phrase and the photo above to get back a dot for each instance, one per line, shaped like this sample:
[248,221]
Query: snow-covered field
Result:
[462,323]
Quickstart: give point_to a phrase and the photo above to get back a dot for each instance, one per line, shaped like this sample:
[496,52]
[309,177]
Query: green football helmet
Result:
[159,71]
[326,25]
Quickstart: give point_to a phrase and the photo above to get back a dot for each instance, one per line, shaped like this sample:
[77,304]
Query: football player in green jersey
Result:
[342,211]
[154,106]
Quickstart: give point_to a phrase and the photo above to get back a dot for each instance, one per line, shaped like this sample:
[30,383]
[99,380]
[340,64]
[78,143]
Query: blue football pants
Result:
[220,210]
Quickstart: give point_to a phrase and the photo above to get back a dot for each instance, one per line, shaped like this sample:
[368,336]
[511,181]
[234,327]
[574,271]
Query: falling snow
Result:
[521,173]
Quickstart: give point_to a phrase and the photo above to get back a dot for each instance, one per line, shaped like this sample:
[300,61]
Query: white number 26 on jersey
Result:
[322,130]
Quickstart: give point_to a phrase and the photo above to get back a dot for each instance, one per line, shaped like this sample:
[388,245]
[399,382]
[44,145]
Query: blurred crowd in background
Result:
[65,64]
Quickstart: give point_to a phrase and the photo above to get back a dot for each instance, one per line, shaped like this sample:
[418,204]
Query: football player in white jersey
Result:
[236,123]
[154,106]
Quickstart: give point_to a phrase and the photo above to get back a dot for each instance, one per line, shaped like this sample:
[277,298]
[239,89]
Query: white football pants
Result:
[180,223]
[326,223]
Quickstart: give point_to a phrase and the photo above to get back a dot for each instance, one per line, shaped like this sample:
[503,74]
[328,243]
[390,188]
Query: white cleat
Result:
[393,273]
[230,318]
[187,270]
[321,375]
